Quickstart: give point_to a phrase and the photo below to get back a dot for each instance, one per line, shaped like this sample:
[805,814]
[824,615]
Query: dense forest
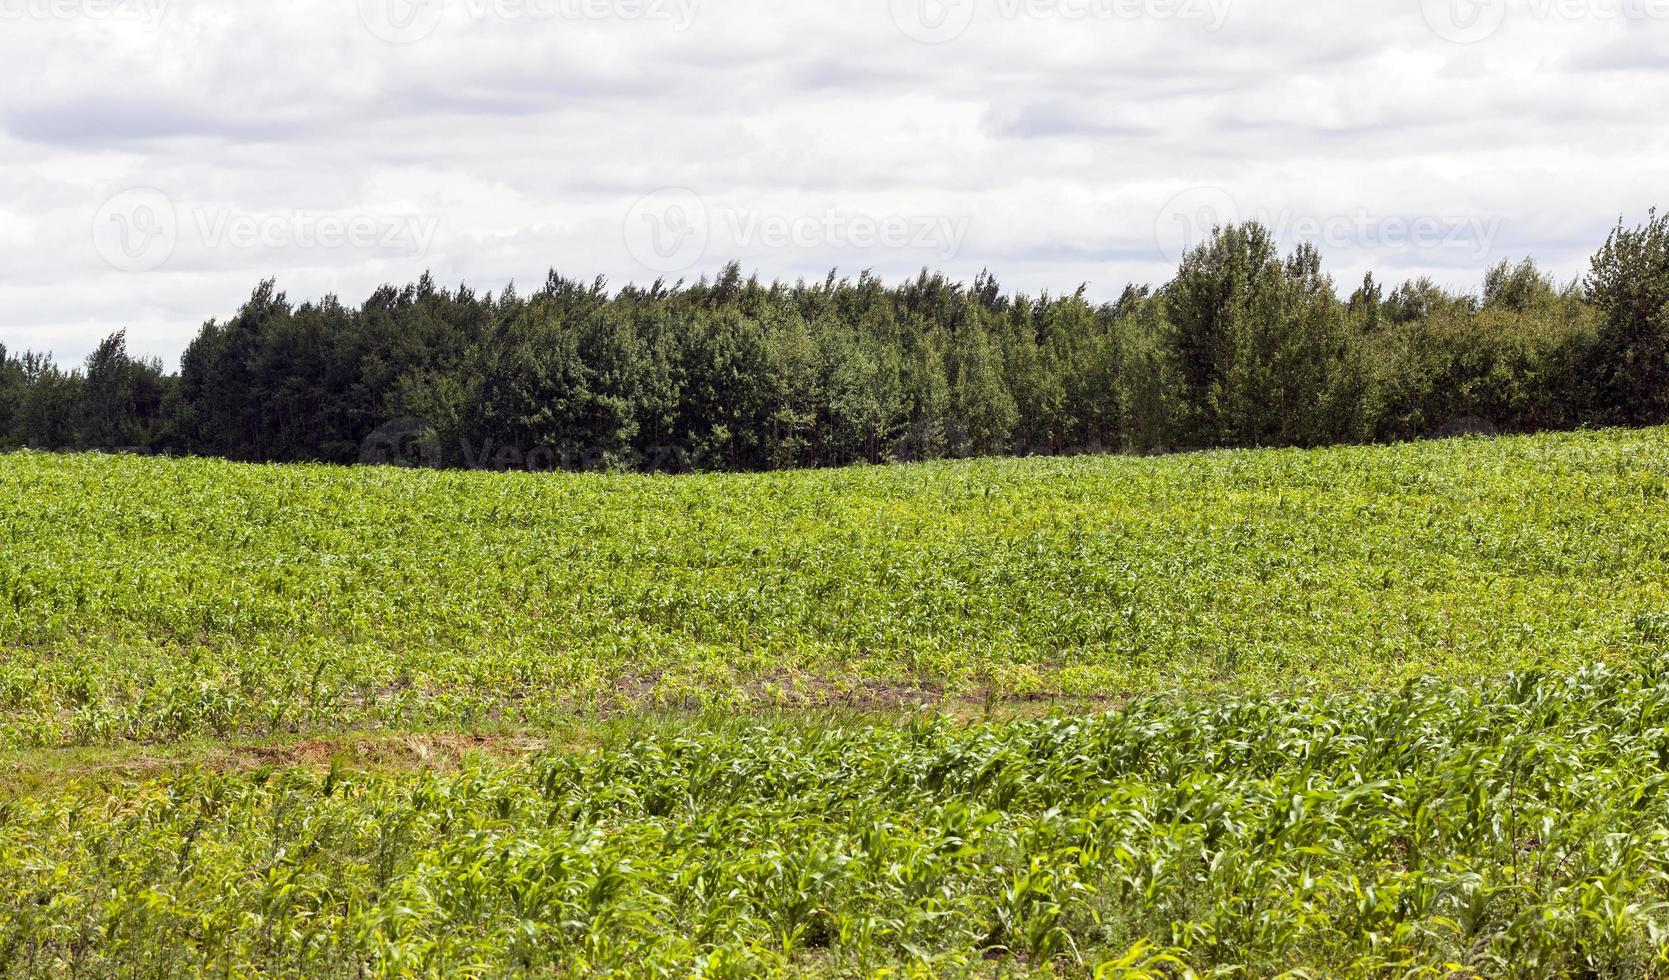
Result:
[1245,347]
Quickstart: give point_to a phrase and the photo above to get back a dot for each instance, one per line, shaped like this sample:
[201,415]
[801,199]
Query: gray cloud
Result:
[1051,143]
[110,120]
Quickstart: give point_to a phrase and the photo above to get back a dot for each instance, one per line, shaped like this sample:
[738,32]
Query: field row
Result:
[1515,827]
[152,600]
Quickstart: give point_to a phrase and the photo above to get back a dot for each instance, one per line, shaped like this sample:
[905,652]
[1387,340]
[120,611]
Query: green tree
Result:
[49,413]
[1260,345]
[1629,284]
[1149,390]
[12,391]
[983,412]
[108,392]
[1518,287]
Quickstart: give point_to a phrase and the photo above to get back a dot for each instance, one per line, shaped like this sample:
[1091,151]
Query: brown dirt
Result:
[786,696]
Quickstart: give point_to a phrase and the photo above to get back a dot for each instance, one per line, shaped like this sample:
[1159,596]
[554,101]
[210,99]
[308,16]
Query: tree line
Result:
[1246,346]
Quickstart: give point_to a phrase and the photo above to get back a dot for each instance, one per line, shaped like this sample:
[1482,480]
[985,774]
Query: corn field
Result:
[1393,711]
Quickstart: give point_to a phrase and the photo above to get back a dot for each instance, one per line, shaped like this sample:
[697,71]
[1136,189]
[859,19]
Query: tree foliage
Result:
[1246,346]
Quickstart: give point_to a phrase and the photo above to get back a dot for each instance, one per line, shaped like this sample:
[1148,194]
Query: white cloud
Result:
[1053,143]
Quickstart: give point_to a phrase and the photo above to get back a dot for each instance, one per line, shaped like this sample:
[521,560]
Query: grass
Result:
[1334,712]
[154,600]
[1520,827]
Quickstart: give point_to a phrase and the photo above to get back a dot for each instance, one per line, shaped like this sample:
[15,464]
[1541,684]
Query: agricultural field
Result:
[1392,710]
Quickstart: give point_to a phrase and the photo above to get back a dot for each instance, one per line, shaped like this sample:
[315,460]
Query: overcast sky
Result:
[159,157]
